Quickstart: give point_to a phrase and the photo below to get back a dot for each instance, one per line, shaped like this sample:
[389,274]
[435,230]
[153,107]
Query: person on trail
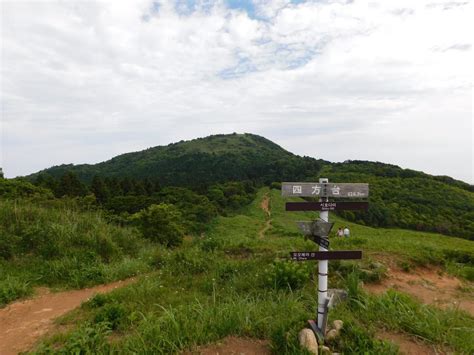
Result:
[347,232]
[340,232]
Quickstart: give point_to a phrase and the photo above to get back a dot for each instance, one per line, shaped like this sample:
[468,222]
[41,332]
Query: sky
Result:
[390,81]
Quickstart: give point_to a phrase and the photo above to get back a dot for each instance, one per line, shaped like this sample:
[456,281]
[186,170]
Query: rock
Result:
[325,350]
[337,324]
[331,335]
[308,341]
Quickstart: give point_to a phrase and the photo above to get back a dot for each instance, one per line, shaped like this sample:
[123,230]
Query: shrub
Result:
[113,314]
[287,274]
[12,288]
[161,223]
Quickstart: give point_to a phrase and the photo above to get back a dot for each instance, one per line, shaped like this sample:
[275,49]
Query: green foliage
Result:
[161,223]
[17,188]
[87,339]
[409,199]
[215,286]
[112,314]
[285,274]
[203,162]
[56,243]
[210,166]
[12,288]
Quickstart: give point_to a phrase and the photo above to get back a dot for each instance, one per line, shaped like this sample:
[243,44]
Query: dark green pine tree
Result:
[99,189]
[69,185]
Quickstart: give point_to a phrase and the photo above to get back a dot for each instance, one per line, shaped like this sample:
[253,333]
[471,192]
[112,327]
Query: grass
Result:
[230,282]
[58,245]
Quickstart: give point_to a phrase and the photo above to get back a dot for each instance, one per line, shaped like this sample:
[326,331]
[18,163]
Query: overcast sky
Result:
[389,81]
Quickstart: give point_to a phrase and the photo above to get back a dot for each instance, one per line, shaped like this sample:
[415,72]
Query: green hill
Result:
[201,162]
[399,197]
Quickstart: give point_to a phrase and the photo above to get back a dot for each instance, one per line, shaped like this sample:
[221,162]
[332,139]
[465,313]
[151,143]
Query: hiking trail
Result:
[265,206]
[22,323]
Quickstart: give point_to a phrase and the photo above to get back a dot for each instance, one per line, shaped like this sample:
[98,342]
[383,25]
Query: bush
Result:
[112,314]
[161,223]
[12,288]
[288,274]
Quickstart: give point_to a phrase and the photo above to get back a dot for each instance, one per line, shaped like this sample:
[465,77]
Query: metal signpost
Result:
[318,231]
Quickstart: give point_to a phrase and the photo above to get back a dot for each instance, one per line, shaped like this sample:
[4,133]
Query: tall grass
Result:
[55,243]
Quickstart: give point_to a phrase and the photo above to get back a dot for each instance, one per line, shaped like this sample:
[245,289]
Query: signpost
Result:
[326,255]
[319,230]
[313,189]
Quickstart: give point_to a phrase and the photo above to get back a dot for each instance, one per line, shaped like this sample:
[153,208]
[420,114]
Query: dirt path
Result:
[23,323]
[234,346]
[429,285]
[409,345]
[265,206]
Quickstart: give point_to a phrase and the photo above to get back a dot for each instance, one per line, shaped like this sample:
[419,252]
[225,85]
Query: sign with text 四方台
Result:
[310,189]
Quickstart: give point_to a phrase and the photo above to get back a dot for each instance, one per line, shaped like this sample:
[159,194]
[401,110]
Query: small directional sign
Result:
[322,242]
[326,206]
[320,228]
[326,255]
[313,189]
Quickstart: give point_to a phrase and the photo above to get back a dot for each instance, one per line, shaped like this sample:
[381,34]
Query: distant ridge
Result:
[399,197]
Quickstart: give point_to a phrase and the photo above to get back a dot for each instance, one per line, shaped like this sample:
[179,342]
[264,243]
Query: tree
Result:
[161,223]
[99,189]
[69,185]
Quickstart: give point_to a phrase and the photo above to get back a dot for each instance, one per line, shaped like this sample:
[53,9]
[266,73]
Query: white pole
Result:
[322,271]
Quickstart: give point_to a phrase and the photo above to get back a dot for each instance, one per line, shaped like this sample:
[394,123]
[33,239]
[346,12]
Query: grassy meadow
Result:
[56,244]
[233,281]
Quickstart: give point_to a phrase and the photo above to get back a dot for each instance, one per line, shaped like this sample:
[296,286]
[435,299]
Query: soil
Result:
[22,323]
[265,206]
[429,285]
[409,345]
[233,346]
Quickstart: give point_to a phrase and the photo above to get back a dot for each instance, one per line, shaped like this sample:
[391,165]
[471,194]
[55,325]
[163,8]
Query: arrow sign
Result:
[319,228]
[326,255]
[322,242]
[314,189]
[326,206]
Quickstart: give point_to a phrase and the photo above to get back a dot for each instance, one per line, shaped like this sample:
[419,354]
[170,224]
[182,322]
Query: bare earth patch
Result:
[409,345]
[23,323]
[265,206]
[234,346]
[430,286]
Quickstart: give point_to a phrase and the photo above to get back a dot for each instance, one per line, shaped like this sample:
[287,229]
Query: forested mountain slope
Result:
[202,161]
[399,197]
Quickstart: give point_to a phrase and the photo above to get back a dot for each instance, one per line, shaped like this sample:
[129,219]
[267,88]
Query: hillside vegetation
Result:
[399,197]
[235,281]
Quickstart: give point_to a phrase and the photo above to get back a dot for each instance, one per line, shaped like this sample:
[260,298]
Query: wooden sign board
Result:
[313,189]
[326,206]
[326,255]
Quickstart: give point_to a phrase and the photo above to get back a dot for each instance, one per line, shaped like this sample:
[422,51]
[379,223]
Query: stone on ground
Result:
[337,324]
[308,341]
[331,335]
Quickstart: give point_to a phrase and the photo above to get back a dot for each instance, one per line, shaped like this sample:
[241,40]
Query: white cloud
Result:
[389,81]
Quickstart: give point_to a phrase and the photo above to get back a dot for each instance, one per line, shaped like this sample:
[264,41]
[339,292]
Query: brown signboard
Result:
[314,189]
[326,255]
[326,206]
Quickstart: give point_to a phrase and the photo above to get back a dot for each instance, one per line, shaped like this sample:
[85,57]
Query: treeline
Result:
[409,199]
[124,197]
